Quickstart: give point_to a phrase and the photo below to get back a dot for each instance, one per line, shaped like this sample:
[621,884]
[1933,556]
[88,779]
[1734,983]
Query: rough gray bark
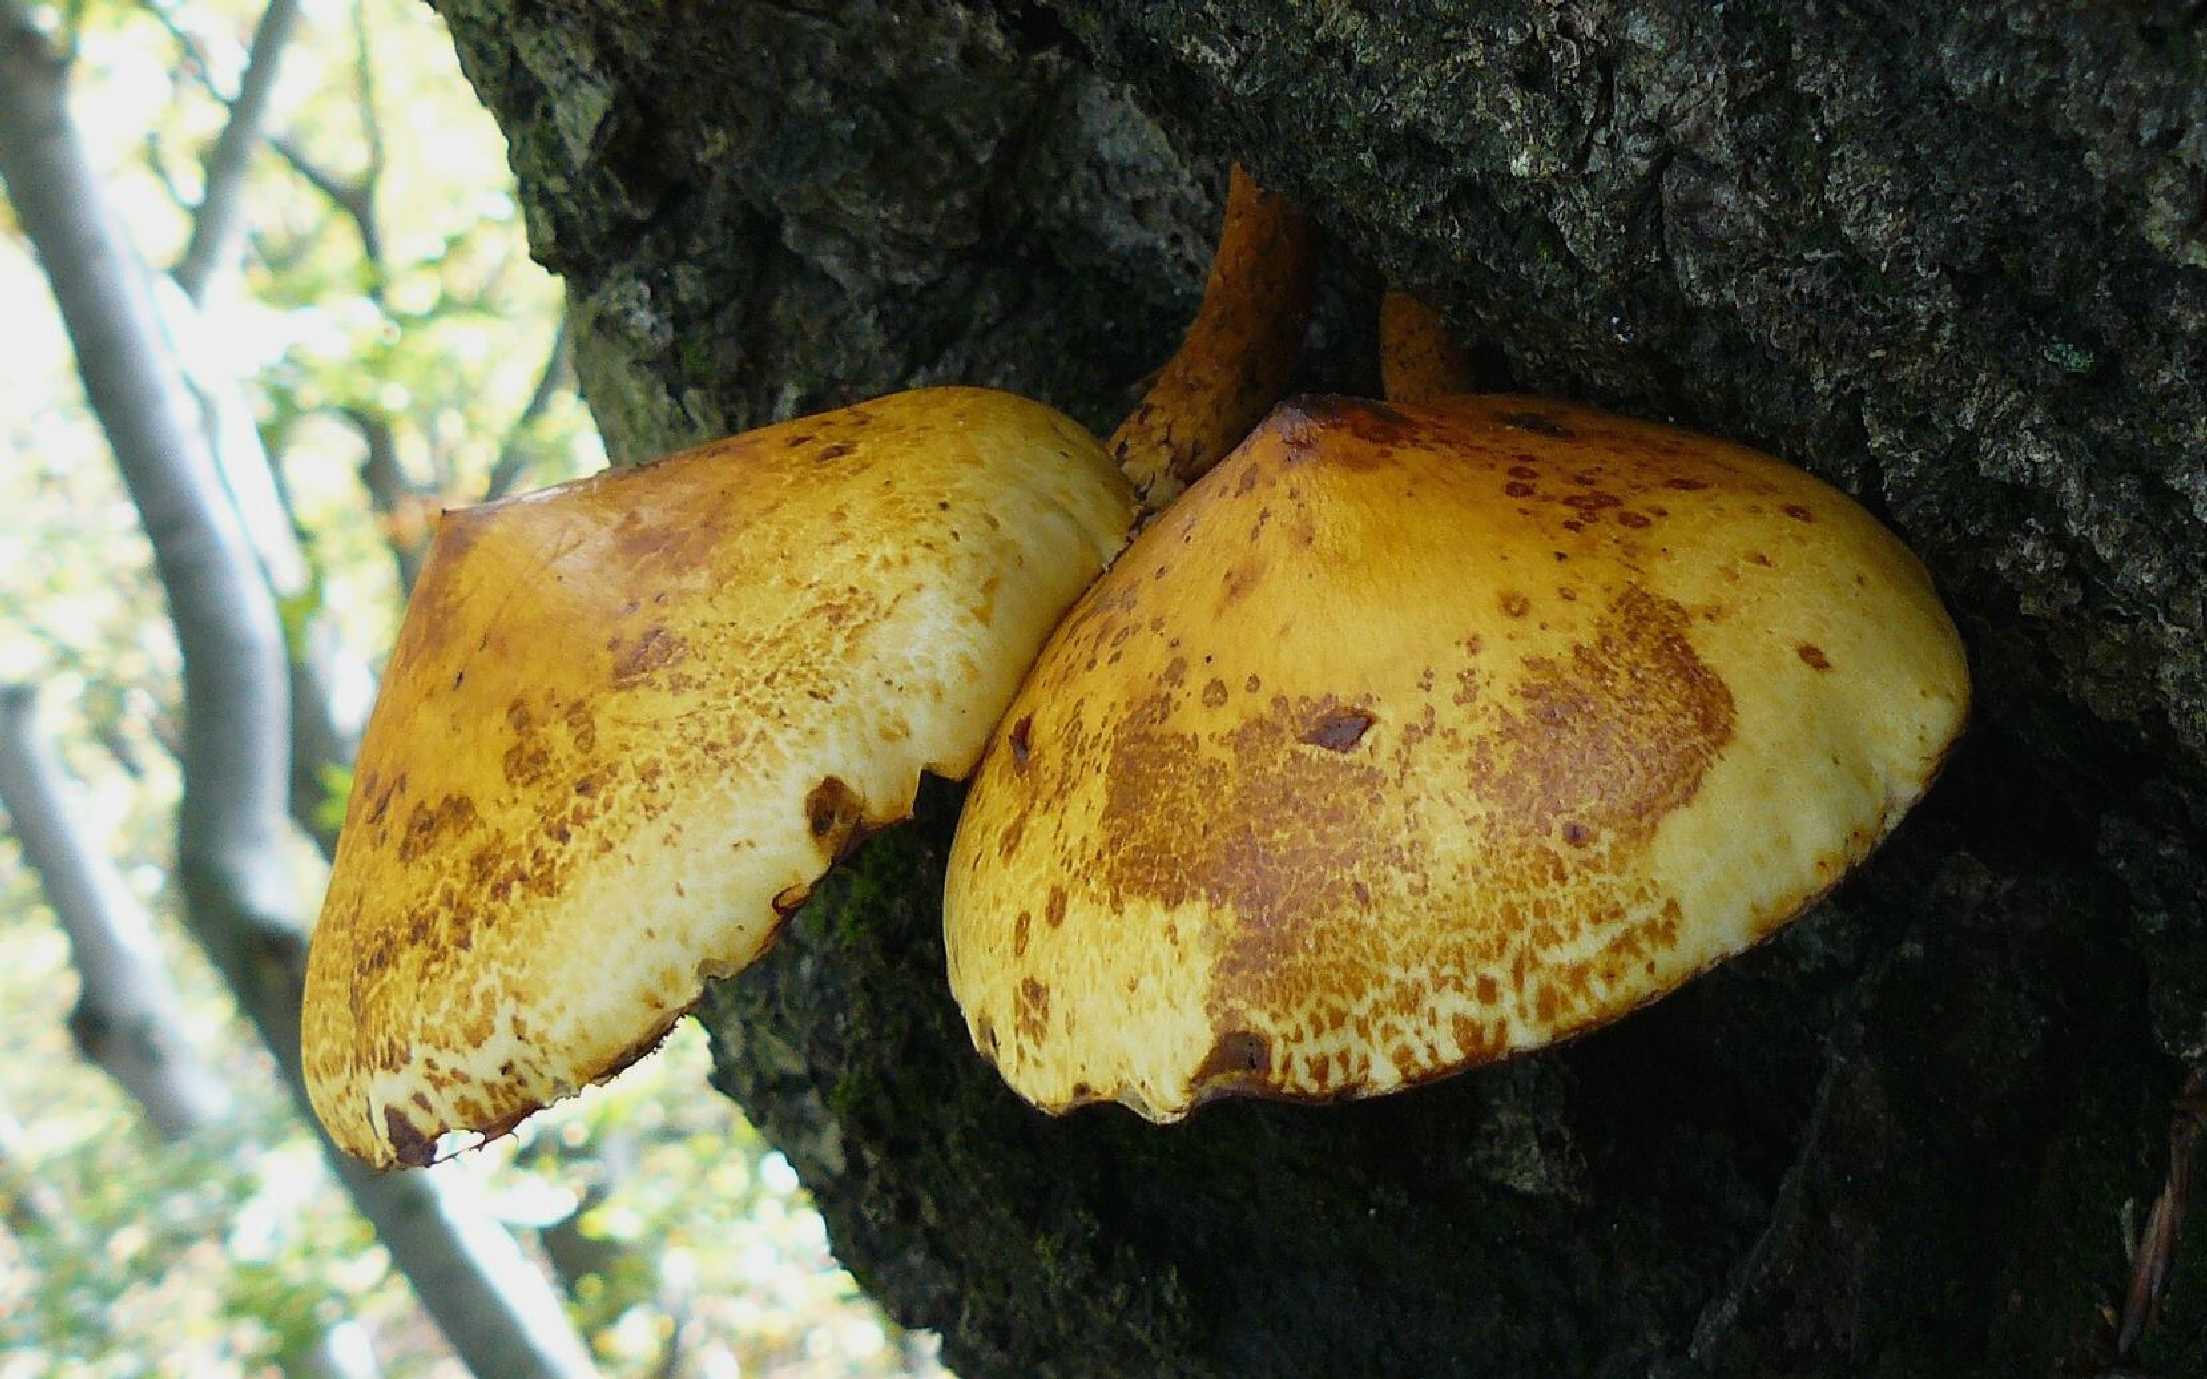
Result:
[496,1311]
[780,209]
[1954,264]
[127,1020]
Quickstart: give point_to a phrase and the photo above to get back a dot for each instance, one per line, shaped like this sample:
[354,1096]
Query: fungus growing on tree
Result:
[630,721]
[1419,735]
[1235,360]
[1418,358]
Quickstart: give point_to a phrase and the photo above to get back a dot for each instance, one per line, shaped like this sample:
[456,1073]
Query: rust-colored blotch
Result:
[630,721]
[1516,735]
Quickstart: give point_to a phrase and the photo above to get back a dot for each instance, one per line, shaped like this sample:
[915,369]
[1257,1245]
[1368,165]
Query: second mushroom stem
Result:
[1237,356]
[1418,358]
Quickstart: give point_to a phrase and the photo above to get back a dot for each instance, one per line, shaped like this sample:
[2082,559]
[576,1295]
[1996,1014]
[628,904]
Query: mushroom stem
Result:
[1234,363]
[1418,358]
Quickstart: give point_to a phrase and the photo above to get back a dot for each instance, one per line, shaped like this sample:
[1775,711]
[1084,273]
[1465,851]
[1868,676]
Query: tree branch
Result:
[195,63]
[218,227]
[371,124]
[498,1313]
[231,641]
[127,1018]
[517,455]
[318,660]
[355,199]
[319,735]
[403,508]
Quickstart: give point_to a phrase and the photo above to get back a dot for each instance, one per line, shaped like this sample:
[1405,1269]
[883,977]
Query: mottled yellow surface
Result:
[1413,737]
[1418,359]
[629,721]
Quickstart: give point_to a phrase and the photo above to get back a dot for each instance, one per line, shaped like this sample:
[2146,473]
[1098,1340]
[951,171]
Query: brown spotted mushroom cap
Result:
[1415,737]
[630,720]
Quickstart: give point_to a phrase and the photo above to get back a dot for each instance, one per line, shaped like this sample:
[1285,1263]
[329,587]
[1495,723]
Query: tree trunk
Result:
[1952,264]
[127,1019]
[494,1309]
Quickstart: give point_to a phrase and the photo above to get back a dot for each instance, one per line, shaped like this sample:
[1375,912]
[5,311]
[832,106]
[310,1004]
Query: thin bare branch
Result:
[218,227]
[329,184]
[195,63]
[371,123]
[128,1017]
[517,455]
[401,506]
[352,198]
[157,163]
[356,198]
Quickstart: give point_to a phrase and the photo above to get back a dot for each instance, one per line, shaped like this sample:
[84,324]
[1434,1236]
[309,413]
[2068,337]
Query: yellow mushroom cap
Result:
[630,720]
[1414,737]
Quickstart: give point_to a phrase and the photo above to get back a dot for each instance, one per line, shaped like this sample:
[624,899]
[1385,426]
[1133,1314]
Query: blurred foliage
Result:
[337,790]
[386,291]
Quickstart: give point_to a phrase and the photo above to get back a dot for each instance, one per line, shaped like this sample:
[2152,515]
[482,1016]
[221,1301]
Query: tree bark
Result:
[1952,263]
[495,1310]
[127,1019]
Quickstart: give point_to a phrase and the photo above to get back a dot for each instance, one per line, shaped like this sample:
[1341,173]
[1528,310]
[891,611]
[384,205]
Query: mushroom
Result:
[1234,363]
[1417,735]
[1418,358]
[630,721]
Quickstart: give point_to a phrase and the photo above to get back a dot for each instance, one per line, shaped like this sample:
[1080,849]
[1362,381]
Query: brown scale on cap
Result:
[1470,811]
[630,721]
